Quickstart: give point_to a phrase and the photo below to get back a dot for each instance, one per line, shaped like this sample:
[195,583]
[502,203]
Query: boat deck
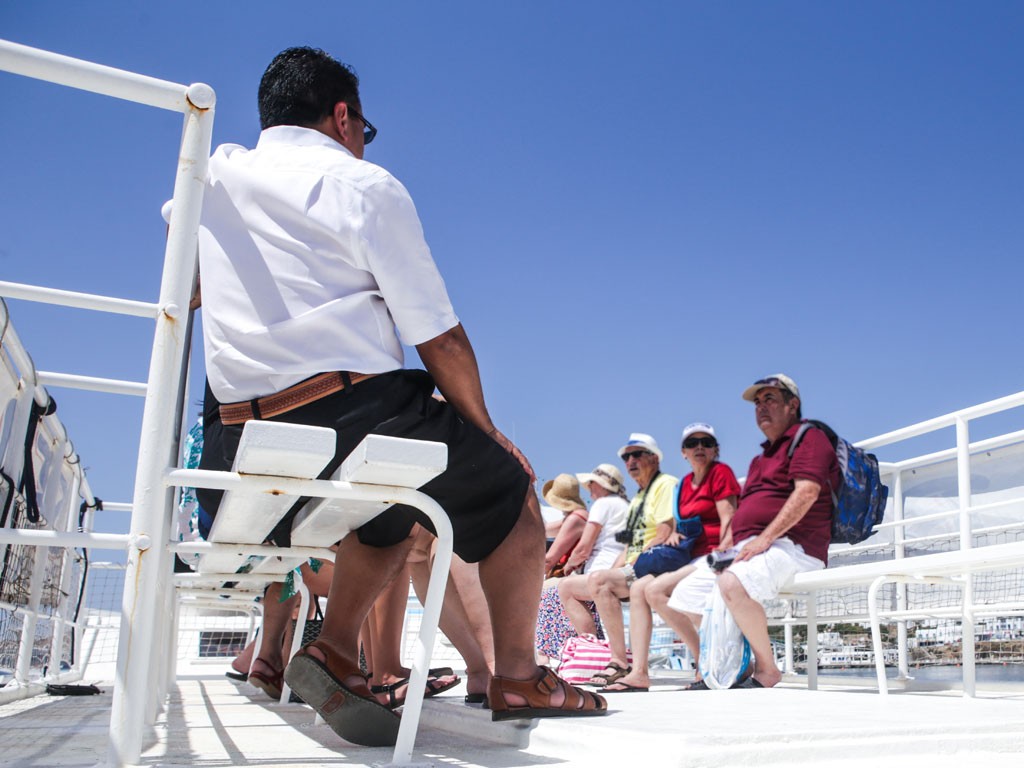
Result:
[212,721]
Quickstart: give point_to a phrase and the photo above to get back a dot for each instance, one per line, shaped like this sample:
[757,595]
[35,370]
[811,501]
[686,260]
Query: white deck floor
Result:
[212,721]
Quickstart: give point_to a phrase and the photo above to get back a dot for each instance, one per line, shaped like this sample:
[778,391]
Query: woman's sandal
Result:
[269,682]
[603,679]
[537,691]
[434,687]
[342,699]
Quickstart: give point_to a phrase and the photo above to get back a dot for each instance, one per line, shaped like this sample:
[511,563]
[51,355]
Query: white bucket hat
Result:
[605,475]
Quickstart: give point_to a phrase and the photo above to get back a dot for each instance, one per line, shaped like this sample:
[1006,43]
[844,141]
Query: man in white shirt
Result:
[314,267]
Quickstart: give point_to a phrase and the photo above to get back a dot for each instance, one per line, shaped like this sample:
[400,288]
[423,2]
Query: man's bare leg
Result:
[572,591]
[640,622]
[750,618]
[685,625]
[385,621]
[456,622]
[608,587]
[513,602]
[360,575]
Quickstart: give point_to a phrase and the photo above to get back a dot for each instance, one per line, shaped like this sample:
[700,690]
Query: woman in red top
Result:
[711,492]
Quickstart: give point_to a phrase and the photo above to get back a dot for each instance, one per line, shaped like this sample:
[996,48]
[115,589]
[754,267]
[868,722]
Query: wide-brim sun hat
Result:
[563,493]
[777,380]
[644,441]
[698,426]
[605,475]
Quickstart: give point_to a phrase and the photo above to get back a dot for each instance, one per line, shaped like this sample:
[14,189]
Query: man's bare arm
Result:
[451,361]
[805,493]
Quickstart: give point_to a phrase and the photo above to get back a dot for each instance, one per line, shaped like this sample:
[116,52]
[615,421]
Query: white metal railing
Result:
[897,523]
[145,594]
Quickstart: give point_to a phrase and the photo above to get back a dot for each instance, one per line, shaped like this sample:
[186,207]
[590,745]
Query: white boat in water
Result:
[948,556]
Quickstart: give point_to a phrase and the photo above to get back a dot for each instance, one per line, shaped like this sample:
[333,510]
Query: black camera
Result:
[625,536]
[720,560]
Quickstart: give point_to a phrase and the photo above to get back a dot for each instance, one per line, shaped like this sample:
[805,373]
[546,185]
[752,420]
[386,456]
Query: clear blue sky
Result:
[638,208]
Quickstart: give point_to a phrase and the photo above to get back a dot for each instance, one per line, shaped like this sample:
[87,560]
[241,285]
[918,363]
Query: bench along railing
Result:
[897,555]
[149,601]
[45,582]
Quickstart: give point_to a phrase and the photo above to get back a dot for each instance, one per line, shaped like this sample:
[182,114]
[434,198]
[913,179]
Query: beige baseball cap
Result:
[777,380]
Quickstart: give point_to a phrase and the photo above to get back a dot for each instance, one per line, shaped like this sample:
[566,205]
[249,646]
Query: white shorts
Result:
[763,576]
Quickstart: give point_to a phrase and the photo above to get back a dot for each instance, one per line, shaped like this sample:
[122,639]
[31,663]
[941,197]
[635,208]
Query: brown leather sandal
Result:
[537,691]
[341,698]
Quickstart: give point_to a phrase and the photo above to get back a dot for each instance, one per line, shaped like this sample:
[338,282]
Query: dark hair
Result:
[301,87]
[787,396]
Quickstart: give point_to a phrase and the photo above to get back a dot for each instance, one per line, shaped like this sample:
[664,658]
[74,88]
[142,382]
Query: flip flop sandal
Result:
[697,685]
[344,702]
[434,687]
[624,688]
[477,698]
[537,692]
[603,680]
[240,676]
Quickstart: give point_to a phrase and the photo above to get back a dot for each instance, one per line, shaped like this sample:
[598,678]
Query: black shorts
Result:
[482,491]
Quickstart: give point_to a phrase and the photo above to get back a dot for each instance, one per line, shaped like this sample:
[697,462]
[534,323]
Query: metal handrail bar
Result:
[940,422]
[932,516]
[79,300]
[267,550]
[924,612]
[71,540]
[117,506]
[93,383]
[98,78]
[988,444]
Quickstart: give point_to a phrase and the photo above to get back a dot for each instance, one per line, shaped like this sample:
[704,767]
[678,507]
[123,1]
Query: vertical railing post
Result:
[787,630]
[899,552]
[60,624]
[812,641]
[963,472]
[152,499]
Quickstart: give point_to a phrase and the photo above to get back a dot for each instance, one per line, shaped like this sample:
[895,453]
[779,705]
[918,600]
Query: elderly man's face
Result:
[641,466]
[774,415]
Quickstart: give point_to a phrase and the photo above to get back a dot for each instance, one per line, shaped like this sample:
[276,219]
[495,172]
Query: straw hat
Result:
[563,493]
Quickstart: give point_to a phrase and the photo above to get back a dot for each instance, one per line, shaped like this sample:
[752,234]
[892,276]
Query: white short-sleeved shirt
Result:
[312,260]
[610,513]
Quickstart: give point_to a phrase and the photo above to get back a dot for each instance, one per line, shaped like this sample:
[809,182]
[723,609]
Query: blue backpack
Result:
[859,503]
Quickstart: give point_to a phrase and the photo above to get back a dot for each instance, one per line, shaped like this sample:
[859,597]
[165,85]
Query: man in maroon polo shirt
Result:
[783,524]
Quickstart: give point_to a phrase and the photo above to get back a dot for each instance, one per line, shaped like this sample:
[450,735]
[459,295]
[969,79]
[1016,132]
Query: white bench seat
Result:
[271,449]
[942,566]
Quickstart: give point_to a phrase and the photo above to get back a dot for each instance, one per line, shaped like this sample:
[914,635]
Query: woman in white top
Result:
[597,549]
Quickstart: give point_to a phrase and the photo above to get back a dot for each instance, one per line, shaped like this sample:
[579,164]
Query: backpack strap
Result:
[804,426]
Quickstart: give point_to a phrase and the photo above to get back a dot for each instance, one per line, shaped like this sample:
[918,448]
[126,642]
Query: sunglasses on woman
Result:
[693,442]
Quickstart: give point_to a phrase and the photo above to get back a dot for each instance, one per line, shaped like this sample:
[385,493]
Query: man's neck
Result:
[773,437]
[645,480]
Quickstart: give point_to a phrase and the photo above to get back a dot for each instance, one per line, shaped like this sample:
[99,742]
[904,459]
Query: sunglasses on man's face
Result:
[693,442]
[635,455]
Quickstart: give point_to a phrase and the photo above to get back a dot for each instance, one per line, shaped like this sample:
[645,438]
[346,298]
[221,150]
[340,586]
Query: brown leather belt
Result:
[303,393]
